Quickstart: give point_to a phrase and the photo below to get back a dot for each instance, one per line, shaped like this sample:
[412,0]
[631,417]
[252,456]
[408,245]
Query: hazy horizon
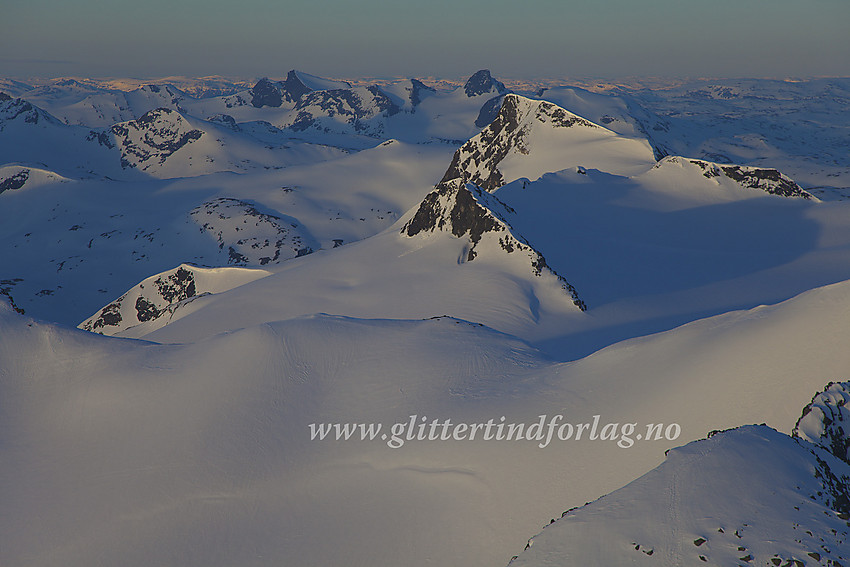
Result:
[375,38]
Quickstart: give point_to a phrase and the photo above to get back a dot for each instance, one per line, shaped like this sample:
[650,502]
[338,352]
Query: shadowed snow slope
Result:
[643,254]
[620,113]
[141,452]
[72,247]
[426,275]
[288,250]
[29,136]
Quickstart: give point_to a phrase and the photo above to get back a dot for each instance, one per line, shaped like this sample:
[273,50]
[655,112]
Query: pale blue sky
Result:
[446,38]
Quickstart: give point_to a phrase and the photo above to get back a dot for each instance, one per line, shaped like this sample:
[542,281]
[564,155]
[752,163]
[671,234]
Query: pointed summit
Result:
[266,93]
[468,212]
[293,87]
[296,85]
[482,83]
[17,109]
[417,87]
[530,137]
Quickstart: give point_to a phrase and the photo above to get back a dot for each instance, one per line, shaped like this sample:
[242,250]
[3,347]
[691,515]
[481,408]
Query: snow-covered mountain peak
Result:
[478,159]
[150,96]
[408,94]
[165,90]
[225,120]
[470,213]
[294,87]
[360,110]
[531,137]
[19,110]
[69,82]
[315,83]
[160,117]
[265,93]
[14,177]
[418,90]
[153,137]
[481,82]
[270,237]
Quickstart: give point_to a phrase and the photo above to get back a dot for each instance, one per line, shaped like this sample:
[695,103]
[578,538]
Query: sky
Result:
[429,38]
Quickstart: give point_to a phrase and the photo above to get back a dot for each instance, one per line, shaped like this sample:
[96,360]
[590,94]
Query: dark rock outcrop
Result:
[416,90]
[293,87]
[477,161]
[468,212]
[481,82]
[266,93]
[15,181]
[770,181]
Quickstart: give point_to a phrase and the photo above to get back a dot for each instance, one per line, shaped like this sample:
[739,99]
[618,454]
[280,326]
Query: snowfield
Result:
[196,273]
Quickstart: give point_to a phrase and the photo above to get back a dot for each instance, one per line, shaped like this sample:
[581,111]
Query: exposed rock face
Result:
[155,300]
[153,137]
[416,90]
[452,207]
[477,161]
[466,211]
[15,181]
[826,420]
[247,236]
[102,138]
[265,93]
[275,94]
[293,88]
[14,177]
[770,181]
[6,287]
[482,83]
[149,302]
